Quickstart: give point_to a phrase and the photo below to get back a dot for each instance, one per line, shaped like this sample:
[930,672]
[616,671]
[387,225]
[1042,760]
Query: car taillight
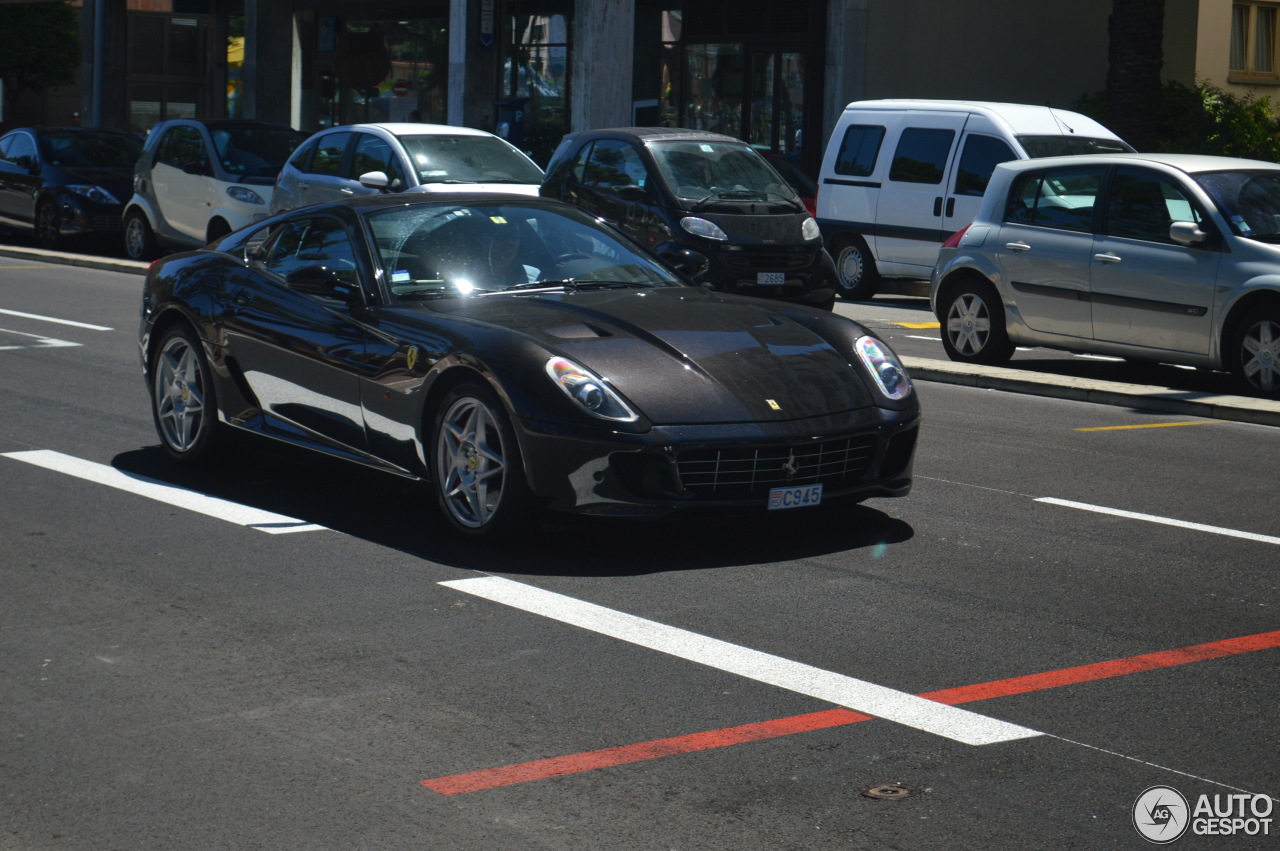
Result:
[953,241]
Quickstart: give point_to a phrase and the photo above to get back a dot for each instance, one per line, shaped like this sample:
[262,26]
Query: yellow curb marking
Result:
[1148,425]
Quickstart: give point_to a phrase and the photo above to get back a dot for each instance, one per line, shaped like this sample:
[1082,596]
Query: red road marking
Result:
[490,778]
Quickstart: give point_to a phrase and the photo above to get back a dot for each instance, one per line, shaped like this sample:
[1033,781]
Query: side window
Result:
[374,154]
[5,142]
[320,241]
[21,146]
[613,164]
[301,159]
[579,167]
[1062,199]
[859,150]
[1143,204]
[980,156]
[921,156]
[328,156]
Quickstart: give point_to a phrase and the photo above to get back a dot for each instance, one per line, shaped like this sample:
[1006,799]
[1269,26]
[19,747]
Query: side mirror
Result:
[1187,233]
[686,261]
[319,280]
[376,180]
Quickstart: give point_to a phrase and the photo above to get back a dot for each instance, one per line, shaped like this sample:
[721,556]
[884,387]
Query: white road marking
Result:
[922,337]
[232,512]
[58,321]
[41,342]
[951,722]
[1166,521]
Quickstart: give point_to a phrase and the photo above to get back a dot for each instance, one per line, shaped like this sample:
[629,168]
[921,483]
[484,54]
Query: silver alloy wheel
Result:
[969,324]
[1260,356]
[179,394]
[137,239]
[471,462]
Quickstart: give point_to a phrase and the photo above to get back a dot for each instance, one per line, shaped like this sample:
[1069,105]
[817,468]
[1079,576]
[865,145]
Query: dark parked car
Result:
[61,182]
[689,195]
[520,356]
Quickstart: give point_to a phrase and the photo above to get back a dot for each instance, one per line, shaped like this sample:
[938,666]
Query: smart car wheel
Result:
[48,226]
[856,275]
[139,239]
[1255,352]
[973,328]
[182,397]
[479,478]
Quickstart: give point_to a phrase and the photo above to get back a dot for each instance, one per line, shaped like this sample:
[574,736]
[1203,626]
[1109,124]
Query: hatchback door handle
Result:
[1017,246]
[1107,258]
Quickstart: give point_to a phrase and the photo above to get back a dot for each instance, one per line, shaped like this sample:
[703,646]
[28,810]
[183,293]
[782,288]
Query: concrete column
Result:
[457,62]
[603,63]
[268,61]
[102,91]
[846,71]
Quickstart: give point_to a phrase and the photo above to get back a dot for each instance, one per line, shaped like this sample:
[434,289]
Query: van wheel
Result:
[856,275]
[973,328]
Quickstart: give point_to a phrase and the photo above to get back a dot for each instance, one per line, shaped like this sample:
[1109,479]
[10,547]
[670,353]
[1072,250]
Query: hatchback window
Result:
[1250,200]
[468,159]
[1142,205]
[979,158]
[922,154]
[20,145]
[859,150]
[374,154]
[329,152]
[1062,199]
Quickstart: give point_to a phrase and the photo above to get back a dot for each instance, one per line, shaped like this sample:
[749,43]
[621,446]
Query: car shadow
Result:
[1129,372]
[402,515]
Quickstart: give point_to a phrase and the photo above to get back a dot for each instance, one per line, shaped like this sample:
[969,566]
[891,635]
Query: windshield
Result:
[90,149]
[710,171]
[451,250]
[1250,200]
[1064,146]
[469,159]
[254,151]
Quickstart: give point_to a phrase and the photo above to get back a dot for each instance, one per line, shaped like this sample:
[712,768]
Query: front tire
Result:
[973,325]
[1255,352]
[476,467]
[183,403]
[856,275]
[139,238]
[48,226]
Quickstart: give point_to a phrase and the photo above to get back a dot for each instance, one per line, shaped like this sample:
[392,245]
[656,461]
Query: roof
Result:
[415,128]
[1021,118]
[657,134]
[1189,163]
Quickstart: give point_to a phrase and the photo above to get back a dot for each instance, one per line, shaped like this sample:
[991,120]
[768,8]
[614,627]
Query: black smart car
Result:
[65,181]
[698,200]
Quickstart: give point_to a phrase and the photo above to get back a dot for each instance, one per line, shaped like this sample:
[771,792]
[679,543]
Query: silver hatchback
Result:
[1158,257]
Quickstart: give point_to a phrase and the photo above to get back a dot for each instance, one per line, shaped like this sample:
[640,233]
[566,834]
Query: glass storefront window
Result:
[715,88]
[389,70]
[537,68]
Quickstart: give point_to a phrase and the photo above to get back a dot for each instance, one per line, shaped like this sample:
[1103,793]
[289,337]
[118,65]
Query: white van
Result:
[900,176]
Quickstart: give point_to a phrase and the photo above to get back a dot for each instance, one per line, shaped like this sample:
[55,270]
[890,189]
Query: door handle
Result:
[951,207]
[1017,246]
[1109,257]
[937,206]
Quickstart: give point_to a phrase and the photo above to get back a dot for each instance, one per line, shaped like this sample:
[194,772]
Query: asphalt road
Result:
[1086,593]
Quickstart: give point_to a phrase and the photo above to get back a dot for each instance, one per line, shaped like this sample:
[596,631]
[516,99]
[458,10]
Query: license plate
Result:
[800,496]
[773,279]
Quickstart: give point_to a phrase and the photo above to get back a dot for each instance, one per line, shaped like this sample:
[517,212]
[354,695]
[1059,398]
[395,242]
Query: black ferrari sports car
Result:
[519,356]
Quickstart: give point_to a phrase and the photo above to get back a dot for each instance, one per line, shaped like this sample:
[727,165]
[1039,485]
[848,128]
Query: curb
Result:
[1145,397]
[86,261]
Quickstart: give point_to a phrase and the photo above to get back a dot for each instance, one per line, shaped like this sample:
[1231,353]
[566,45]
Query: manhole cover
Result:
[889,791]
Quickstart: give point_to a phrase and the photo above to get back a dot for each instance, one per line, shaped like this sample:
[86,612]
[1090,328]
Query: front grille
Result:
[106,224]
[766,261]
[750,472]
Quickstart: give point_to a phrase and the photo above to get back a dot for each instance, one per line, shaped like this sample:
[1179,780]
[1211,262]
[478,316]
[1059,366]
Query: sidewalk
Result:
[1143,397]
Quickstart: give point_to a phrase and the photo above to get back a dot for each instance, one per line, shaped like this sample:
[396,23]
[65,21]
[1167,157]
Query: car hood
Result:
[685,355]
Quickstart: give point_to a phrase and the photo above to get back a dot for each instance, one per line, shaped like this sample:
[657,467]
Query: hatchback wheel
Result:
[973,329]
[856,275]
[183,404]
[1255,352]
[479,478]
[48,226]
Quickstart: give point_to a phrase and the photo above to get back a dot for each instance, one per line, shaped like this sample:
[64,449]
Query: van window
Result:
[979,158]
[859,150]
[922,155]
[1062,199]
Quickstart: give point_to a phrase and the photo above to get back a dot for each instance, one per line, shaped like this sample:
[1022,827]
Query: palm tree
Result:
[1136,56]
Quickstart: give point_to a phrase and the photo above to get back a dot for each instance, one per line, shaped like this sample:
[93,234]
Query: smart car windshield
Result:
[254,151]
[468,159]
[452,250]
[1249,199]
[709,171]
[90,149]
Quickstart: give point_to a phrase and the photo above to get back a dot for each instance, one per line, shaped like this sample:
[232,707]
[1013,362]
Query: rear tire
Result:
[1254,353]
[856,275]
[139,238]
[973,325]
[183,402]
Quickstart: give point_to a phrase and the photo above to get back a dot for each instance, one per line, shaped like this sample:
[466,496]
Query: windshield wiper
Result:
[574,285]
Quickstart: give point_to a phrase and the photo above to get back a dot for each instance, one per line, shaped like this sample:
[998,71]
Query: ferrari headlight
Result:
[889,374]
[701,227]
[589,391]
[810,230]
[244,195]
[93,192]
